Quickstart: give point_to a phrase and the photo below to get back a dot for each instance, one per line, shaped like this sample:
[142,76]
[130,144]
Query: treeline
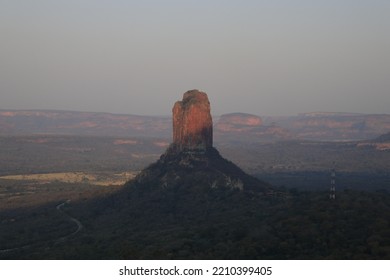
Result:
[184,223]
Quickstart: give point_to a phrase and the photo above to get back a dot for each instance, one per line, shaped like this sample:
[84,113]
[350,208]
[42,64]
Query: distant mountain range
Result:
[238,127]
[335,126]
[82,123]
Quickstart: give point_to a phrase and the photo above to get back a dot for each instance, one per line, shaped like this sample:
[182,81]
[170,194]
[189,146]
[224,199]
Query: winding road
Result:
[74,220]
[58,240]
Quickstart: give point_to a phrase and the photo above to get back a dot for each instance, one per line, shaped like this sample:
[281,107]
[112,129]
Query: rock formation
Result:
[247,128]
[191,162]
[192,122]
[238,122]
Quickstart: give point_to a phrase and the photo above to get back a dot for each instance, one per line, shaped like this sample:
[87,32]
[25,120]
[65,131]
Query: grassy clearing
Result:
[98,179]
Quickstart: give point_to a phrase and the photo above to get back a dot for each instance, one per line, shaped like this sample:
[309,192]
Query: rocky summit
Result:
[192,122]
[191,161]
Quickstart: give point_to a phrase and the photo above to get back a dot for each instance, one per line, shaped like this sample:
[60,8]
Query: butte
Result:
[191,161]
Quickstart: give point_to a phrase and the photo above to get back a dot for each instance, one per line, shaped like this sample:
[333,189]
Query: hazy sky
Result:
[268,57]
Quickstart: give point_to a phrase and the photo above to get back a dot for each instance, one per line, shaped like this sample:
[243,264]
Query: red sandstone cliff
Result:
[192,122]
[191,162]
[238,122]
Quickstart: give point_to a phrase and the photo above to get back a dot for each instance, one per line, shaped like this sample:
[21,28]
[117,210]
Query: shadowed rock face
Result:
[191,162]
[192,122]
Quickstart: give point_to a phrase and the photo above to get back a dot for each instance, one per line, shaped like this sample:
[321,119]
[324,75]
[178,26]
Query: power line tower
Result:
[332,194]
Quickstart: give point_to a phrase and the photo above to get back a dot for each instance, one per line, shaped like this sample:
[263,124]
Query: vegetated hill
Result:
[203,169]
[191,161]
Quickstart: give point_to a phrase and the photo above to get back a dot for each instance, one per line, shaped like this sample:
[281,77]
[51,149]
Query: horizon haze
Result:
[267,58]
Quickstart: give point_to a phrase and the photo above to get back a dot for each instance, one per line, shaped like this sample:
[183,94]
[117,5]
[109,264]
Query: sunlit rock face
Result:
[191,162]
[192,122]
